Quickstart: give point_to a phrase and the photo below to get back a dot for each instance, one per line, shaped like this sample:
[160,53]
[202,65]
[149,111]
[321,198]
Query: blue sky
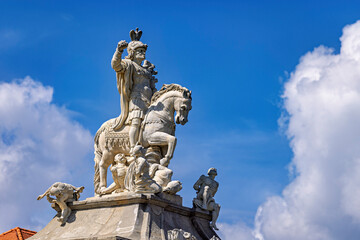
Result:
[235,56]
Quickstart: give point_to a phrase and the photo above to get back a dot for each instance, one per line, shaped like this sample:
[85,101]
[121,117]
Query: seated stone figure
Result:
[137,177]
[206,188]
[118,171]
[64,193]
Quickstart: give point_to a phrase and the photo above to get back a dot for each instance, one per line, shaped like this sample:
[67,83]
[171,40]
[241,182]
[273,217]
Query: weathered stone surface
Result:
[129,216]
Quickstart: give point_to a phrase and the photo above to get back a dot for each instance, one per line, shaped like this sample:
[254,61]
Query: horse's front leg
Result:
[106,159]
[164,139]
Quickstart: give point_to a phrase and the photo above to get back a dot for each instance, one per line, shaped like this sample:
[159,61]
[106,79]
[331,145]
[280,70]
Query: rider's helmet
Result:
[135,42]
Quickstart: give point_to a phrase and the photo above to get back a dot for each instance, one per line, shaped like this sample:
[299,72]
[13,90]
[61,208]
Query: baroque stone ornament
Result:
[64,194]
[206,188]
[179,234]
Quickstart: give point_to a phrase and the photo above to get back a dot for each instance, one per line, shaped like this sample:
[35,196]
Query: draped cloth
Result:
[124,80]
[129,180]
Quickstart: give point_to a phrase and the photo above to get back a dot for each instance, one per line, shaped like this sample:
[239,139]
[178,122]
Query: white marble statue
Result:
[137,147]
[206,188]
[64,194]
[147,117]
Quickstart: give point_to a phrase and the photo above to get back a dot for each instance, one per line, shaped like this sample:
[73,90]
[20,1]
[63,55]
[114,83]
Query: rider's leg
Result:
[134,131]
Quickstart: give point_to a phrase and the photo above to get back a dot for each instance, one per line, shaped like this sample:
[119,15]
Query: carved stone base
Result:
[131,216]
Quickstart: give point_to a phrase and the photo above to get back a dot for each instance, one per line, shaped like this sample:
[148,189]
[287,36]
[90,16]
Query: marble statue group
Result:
[144,133]
[137,146]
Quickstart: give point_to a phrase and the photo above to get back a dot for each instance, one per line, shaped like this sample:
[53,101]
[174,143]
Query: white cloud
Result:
[322,101]
[237,231]
[39,145]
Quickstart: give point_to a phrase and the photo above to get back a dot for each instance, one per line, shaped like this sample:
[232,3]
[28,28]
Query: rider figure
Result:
[135,83]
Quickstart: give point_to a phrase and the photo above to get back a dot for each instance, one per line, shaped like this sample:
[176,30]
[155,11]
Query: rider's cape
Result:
[124,84]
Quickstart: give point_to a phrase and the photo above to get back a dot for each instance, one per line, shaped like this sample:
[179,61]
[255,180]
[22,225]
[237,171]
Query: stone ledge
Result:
[122,199]
[127,216]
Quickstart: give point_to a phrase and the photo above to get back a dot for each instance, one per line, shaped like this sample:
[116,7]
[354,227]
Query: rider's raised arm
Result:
[116,62]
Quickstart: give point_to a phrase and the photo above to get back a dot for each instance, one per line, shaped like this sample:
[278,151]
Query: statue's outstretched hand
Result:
[122,45]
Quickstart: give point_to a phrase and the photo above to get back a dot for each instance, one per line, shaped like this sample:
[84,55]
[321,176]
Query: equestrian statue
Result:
[147,119]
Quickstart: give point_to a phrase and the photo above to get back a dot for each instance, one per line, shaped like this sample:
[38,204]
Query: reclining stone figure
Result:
[64,194]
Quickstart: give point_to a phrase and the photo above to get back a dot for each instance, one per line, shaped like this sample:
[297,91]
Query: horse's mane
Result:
[170,87]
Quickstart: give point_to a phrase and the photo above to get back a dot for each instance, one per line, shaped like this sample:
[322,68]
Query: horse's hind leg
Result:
[106,159]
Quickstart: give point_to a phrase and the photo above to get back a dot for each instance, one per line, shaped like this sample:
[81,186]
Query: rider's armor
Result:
[141,93]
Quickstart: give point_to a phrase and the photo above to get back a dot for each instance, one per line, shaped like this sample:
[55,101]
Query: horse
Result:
[157,131]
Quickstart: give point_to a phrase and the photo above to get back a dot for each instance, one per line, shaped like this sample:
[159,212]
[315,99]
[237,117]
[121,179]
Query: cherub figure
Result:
[206,188]
[118,171]
[64,194]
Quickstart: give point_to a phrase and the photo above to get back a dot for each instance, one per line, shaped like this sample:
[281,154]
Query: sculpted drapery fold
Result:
[124,72]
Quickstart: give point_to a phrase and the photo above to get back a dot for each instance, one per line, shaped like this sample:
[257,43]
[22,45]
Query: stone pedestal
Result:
[131,216]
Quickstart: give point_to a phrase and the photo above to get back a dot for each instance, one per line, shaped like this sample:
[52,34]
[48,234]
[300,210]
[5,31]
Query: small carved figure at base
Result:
[162,176]
[118,171]
[137,177]
[206,188]
[64,194]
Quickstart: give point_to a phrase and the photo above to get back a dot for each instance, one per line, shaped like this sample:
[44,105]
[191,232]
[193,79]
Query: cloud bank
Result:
[234,231]
[39,145]
[322,104]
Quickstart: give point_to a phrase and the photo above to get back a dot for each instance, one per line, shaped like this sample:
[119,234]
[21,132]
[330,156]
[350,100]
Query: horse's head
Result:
[182,107]
[181,98]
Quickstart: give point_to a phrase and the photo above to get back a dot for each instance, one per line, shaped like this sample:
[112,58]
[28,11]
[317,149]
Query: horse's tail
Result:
[97,159]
